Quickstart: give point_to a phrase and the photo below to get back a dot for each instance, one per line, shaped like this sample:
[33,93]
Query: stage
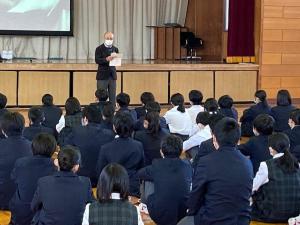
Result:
[25,81]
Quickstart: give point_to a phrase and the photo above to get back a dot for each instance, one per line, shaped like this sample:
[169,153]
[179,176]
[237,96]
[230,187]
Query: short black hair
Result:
[214,119]
[280,142]
[225,102]
[101,95]
[123,99]
[47,100]
[68,157]
[123,124]
[3,101]
[92,113]
[12,123]
[172,146]
[113,179]
[295,116]
[227,132]
[147,97]
[264,124]
[44,144]
[196,97]
[178,100]
[284,98]
[108,111]
[211,105]
[261,95]
[153,107]
[203,118]
[36,114]
[72,106]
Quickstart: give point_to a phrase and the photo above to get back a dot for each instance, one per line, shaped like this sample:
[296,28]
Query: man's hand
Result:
[109,58]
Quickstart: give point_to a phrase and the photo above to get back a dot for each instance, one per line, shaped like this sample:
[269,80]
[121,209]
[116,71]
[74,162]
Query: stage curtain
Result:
[241,29]
[126,18]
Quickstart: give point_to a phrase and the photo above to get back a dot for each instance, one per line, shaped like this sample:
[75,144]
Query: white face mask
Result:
[108,42]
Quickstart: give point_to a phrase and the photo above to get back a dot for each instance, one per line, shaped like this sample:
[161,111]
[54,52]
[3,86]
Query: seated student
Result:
[107,116]
[36,117]
[89,139]
[211,106]
[61,198]
[12,147]
[26,173]
[101,98]
[277,183]
[261,107]
[52,112]
[257,147]
[222,182]
[112,206]
[178,119]
[123,150]
[294,132]
[172,179]
[151,137]
[226,107]
[3,110]
[123,101]
[282,111]
[195,98]
[146,97]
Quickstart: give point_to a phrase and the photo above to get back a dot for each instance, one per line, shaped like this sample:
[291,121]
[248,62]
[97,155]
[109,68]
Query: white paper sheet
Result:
[117,60]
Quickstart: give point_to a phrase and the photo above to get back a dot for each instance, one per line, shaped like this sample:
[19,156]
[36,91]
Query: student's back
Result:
[281,116]
[294,136]
[52,116]
[35,129]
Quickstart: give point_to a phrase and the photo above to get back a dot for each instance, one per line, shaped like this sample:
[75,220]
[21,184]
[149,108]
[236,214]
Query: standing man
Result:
[107,75]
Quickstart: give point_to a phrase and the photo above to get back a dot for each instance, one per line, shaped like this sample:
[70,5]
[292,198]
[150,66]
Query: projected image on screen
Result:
[23,16]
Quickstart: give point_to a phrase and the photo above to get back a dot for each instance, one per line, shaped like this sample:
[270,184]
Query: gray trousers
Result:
[188,220]
[110,85]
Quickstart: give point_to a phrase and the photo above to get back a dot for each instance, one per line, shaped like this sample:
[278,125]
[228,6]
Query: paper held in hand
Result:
[117,60]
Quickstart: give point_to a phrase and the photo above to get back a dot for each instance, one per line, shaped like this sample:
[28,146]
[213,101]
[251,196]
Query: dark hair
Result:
[214,119]
[101,95]
[178,100]
[211,105]
[172,146]
[295,116]
[281,144]
[43,144]
[123,100]
[72,106]
[123,124]
[225,102]
[154,123]
[92,113]
[68,157]
[113,178]
[262,96]
[264,124]
[203,118]
[196,97]
[227,132]
[153,107]
[12,123]
[3,101]
[108,111]
[284,98]
[36,114]
[147,97]
[47,100]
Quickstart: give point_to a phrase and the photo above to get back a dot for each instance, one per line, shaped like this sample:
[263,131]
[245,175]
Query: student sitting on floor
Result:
[177,118]
[12,147]
[3,110]
[151,137]
[171,178]
[294,132]
[112,206]
[107,116]
[26,173]
[146,97]
[101,98]
[36,117]
[123,101]
[60,199]
[211,106]
[282,111]
[52,113]
[195,98]
[277,183]
[226,107]
[257,147]
[261,107]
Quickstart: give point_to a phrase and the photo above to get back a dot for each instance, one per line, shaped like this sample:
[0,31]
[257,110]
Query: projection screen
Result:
[36,17]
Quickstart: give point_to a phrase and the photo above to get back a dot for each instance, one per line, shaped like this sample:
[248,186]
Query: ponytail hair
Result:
[68,157]
[262,96]
[178,100]
[153,123]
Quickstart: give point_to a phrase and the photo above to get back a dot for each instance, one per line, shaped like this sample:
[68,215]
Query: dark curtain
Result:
[241,28]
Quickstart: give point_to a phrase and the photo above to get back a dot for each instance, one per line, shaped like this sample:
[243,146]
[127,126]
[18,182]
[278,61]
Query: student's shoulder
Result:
[84,180]
[24,161]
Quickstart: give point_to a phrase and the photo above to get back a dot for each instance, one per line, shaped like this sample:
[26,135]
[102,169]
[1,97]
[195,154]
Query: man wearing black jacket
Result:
[107,75]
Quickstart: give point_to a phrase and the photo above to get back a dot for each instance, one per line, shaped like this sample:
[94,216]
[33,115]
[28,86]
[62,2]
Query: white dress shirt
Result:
[85,220]
[178,122]
[61,124]
[196,140]
[193,111]
[262,175]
